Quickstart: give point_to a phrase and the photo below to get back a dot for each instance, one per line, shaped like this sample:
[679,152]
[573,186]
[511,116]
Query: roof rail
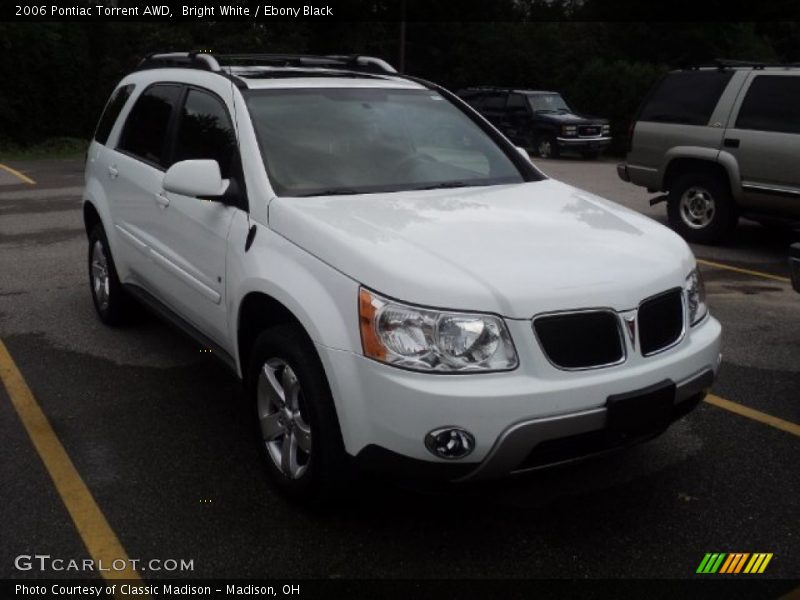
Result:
[186,60]
[211,62]
[354,62]
[723,63]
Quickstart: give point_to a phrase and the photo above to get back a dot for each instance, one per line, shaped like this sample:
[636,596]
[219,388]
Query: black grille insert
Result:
[580,340]
[660,321]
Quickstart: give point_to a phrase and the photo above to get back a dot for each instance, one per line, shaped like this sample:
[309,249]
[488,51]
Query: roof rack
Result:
[723,63]
[211,62]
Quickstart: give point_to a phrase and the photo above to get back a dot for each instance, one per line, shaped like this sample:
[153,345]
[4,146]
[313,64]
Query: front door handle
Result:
[113,171]
[162,200]
[731,142]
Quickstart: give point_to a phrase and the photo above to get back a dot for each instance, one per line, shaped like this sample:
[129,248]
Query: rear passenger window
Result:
[205,131]
[688,97]
[772,104]
[145,130]
[494,102]
[516,104]
[114,106]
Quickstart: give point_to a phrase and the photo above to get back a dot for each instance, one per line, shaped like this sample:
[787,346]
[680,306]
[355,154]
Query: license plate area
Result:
[642,411]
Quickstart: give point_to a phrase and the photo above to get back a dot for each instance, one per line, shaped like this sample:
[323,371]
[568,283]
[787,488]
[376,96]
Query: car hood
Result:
[515,250]
[572,119]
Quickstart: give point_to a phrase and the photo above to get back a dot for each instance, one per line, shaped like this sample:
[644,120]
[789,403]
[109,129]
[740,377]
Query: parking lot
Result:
[161,437]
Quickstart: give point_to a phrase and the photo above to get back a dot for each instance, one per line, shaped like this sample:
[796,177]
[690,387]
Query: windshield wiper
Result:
[331,192]
[443,185]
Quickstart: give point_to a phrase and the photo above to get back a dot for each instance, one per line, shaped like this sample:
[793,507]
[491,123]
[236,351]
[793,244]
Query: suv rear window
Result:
[146,128]
[772,104]
[687,97]
[114,106]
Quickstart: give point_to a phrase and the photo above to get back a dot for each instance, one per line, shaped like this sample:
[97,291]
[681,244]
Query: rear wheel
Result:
[113,305]
[298,431]
[701,209]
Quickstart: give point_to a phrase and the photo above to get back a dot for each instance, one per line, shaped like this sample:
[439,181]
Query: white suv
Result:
[396,284]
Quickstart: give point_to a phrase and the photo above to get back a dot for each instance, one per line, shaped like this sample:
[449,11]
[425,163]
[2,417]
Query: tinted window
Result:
[205,131]
[516,104]
[114,106]
[146,128]
[688,97]
[772,104]
[347,141]
[494,102]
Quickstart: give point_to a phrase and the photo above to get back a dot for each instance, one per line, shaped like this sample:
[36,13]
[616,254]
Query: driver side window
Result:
[205,131]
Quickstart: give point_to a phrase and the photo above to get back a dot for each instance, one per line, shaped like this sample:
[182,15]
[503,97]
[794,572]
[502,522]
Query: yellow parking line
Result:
[96,533]
[16,173]
[710,263]
[756,415]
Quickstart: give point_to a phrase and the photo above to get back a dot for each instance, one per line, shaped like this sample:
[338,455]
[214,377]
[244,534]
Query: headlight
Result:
[606,128]
[695,297]
[430,340]
[569,130]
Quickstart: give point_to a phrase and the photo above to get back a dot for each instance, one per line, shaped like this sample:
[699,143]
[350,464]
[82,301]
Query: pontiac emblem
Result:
[630,325]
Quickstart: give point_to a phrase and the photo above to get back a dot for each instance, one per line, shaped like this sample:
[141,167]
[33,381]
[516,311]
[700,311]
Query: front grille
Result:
[582,340]
[660,321]
[589,130]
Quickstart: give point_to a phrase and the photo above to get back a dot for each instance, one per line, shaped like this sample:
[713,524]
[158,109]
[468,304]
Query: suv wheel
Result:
[547,148]
[701,208]
[298,430]
[113,305]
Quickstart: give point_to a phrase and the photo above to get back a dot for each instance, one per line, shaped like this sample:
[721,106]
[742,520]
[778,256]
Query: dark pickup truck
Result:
[540,121]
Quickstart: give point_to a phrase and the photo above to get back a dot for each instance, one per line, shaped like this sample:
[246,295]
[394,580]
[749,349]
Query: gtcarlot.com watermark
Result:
[46,563]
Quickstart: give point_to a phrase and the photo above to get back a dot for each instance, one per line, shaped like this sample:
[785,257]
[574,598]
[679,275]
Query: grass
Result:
[58,147]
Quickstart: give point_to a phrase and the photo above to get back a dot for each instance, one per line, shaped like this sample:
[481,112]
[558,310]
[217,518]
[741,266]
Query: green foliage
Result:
[57,76]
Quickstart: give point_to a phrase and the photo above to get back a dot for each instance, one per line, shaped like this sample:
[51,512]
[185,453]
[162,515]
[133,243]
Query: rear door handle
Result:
[162,200]
[731,143]
[113,171]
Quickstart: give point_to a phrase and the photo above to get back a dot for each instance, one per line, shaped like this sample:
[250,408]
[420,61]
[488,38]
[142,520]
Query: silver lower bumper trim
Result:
[516,442]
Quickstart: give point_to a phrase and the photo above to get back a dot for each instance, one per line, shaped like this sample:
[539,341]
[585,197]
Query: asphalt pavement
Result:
[164,441]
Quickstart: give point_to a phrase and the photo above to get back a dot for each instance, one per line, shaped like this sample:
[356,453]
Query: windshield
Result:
[325,141]
[547,103]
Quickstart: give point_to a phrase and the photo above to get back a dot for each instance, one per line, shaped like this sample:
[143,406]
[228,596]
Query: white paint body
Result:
[512,250]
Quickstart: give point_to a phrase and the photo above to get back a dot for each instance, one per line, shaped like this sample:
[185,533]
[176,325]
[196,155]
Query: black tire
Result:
[113,305]
[326,467]
[547,147]
[714,216]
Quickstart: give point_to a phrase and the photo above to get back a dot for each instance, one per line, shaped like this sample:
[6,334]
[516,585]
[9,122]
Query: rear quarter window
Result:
[687,97]
[110,113]
[772,103]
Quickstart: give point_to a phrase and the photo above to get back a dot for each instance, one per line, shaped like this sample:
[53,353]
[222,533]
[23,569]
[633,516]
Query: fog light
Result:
[450,442]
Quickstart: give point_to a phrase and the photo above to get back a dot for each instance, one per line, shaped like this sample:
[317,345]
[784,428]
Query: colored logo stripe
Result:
[733,563]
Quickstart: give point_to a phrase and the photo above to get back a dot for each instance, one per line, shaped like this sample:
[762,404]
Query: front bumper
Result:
[523,446]
[584,144]
[393,409]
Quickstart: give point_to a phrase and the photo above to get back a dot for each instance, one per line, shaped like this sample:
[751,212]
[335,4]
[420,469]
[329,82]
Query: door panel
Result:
[764,136]
[192,234]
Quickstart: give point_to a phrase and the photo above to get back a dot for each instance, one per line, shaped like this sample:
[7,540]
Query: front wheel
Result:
[113,305]
[547,148]
[298,430]
[701,209]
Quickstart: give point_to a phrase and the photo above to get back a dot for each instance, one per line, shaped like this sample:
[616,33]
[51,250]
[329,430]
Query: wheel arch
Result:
[706,163]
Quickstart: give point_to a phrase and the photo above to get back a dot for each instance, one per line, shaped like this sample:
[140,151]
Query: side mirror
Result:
[196,178]
[524,153]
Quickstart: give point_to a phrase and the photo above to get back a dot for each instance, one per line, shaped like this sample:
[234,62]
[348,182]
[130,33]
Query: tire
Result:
[701,209]
[547,147]
[113,305]
[300,441]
